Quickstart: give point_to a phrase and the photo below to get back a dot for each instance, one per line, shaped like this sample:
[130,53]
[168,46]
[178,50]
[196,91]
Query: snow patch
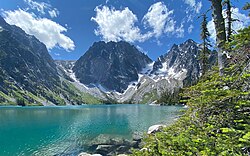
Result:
[102,88]
[148,68]
[72,75]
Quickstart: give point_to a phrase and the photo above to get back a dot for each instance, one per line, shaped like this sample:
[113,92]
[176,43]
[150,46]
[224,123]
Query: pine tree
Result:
[205,44]
[220,33]
[247,7]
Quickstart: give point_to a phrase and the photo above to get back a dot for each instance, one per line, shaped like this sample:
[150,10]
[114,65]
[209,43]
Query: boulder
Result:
[137,136]
[104,149]
[122,149]
[87,154]
[155,128]
[104,139]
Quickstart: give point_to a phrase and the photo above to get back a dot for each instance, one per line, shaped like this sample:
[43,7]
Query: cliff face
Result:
[111,65]
[181,57]
[24,60]
[28,74]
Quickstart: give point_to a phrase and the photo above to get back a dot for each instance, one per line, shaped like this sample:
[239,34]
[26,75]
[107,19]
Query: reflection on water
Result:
[65,130]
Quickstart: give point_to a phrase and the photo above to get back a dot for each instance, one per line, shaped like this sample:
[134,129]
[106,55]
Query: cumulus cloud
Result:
[116,25]
[159,19]
[47,31]
[242,22]
[193,5]
[42,8]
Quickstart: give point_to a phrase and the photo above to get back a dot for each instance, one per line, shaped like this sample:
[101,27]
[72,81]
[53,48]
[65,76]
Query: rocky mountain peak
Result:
[111,65]
[182,57]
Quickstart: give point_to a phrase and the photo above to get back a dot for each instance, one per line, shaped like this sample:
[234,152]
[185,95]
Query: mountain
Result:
[178,58]
[178,68]
[28,74]
[107,73]
[119,72]
[111,66]
[25,59]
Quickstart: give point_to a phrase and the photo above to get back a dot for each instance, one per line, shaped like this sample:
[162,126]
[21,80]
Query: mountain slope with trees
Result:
[29,75]
[218,119]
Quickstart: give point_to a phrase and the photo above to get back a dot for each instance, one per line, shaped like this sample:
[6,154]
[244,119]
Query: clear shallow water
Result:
[65,130]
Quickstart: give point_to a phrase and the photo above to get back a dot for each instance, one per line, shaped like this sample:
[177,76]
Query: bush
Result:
[20,102]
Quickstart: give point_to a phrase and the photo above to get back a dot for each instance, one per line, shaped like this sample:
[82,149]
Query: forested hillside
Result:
[218,119]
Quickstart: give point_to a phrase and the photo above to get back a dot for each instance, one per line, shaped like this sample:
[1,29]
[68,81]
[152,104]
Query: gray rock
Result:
[104,149]
[155,128]
[122,149]
[104,139]
[135,144]
[137,136]
[87,154]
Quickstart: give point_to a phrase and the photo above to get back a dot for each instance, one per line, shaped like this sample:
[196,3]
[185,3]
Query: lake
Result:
[65,130]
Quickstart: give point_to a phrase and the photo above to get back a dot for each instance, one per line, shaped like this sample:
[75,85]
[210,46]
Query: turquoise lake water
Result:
[65,130]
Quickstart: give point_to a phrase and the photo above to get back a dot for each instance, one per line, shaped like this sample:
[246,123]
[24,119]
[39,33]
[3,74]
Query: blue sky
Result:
[69,27]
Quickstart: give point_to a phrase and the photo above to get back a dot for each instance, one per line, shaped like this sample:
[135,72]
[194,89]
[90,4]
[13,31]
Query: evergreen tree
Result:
[220,32]
[247,7]
[205,44]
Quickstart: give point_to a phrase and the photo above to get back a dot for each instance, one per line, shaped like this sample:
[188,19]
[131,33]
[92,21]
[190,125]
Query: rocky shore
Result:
[105,145]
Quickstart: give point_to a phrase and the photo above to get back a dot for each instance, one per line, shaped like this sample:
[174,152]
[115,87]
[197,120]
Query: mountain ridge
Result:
[112,71]
[29,75]
[113,65]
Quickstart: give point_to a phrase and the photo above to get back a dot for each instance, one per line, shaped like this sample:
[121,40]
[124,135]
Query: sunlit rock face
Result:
[179,58]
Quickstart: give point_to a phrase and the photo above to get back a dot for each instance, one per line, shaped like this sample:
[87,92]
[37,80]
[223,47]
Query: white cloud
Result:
[180,31]
[42,8]
[190,2]
[237,25]
[53,13]
[198,7]
[116,25]
[159,19]
[193,5]
[47,31]
[190,29]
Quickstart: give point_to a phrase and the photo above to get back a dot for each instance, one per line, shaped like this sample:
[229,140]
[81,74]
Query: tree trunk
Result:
[220,32]
[230,20]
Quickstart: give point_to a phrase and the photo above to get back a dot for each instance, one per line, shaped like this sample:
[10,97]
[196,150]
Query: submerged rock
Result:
[109,145]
